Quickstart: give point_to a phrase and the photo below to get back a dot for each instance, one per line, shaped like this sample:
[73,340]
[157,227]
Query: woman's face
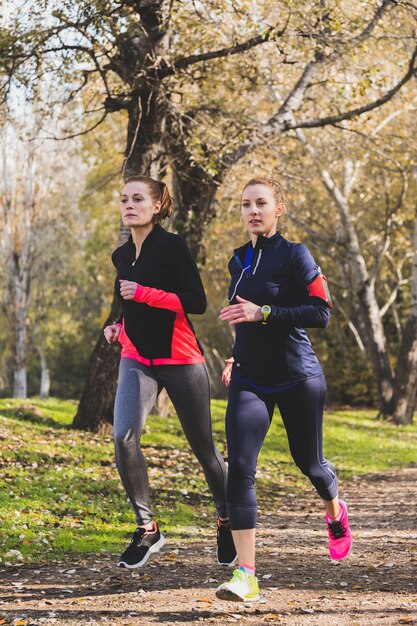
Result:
[260,210]
[136,205]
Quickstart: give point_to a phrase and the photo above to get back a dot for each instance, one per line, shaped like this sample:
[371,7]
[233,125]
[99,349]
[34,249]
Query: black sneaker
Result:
[226,551]
[142,545]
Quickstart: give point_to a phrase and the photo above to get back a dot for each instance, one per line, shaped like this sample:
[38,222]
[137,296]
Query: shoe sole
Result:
[155,548]
[228,564]
[226,594]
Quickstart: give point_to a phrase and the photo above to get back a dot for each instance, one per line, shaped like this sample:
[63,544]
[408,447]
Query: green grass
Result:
[60,492]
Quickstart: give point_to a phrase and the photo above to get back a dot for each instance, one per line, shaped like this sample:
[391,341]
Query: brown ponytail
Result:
[159,193]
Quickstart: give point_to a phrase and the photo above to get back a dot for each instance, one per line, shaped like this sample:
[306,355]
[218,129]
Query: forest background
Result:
[320,95]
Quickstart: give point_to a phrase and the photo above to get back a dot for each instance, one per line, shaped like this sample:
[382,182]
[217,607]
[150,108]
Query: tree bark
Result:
[20,383]
[145,154]
[194,191]
[19,341]
[406,375]
[364,288]
[45,383]
[97,399]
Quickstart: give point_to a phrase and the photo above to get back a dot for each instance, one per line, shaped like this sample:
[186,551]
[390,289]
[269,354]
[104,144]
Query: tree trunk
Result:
[194,192]
[378,348]
[19,336]
[406,376]
[193,188]
[362,285]
[20,383]
[45,383]
[97,400]
[145,154]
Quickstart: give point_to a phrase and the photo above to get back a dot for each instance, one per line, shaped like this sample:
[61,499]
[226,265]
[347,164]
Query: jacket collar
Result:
[153,235]
[261,242]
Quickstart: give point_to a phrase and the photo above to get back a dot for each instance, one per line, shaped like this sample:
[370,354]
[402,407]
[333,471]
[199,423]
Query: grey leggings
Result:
[189,390]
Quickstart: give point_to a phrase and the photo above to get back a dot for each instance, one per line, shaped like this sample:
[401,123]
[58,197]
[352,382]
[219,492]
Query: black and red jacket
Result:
[155,325]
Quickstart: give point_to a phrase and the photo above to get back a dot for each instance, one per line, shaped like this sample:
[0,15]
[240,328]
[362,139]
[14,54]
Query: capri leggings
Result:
[189,389]
[248,417]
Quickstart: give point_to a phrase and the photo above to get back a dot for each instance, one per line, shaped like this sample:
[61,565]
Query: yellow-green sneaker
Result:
[241,586]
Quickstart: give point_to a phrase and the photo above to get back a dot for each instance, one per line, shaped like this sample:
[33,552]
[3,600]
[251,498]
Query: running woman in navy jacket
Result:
[276,291]
[159,285]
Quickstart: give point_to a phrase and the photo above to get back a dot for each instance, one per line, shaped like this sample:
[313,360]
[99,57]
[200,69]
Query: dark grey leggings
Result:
[189,390]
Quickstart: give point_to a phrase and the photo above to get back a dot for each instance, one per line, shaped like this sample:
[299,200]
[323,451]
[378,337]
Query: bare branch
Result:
[285,120]
[350,324]
[81,133]
[348,115]
[400,282]
[269,35]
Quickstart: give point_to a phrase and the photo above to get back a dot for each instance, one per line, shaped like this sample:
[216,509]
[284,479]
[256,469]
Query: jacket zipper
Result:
[257,262]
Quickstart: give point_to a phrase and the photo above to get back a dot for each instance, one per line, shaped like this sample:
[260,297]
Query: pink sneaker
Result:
[340,537]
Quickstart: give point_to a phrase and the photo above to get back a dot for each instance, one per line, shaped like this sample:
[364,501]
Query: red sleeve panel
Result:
[158,298]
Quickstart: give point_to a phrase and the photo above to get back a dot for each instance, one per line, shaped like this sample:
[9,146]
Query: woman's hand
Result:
[245,311]
[128,289]
[227,372]
[112,333]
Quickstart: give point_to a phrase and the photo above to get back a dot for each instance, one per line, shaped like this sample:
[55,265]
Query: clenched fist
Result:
[112,333]
[128,289]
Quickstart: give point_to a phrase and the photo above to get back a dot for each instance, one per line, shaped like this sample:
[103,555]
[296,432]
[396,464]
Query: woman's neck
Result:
[139,234]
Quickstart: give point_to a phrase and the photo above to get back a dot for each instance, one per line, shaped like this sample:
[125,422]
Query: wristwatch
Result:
[265,310]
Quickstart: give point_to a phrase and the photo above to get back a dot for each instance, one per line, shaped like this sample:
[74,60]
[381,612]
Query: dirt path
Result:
[300,586]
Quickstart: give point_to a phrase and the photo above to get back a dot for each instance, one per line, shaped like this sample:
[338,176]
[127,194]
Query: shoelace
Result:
[337,530]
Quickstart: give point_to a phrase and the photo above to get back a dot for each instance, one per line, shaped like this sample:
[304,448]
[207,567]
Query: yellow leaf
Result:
[271,616]
[292,585]
[204,600]
[357,587]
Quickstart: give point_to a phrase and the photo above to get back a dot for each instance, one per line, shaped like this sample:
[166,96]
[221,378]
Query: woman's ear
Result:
[280,209]
[157,207]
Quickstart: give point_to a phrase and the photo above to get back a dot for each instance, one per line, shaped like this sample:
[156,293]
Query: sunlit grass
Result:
[60,492]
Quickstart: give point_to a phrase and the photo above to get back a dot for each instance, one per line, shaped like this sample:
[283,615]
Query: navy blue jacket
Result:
[279,352]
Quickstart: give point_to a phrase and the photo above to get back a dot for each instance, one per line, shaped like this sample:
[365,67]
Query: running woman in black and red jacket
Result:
[159,285]
[276,291]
